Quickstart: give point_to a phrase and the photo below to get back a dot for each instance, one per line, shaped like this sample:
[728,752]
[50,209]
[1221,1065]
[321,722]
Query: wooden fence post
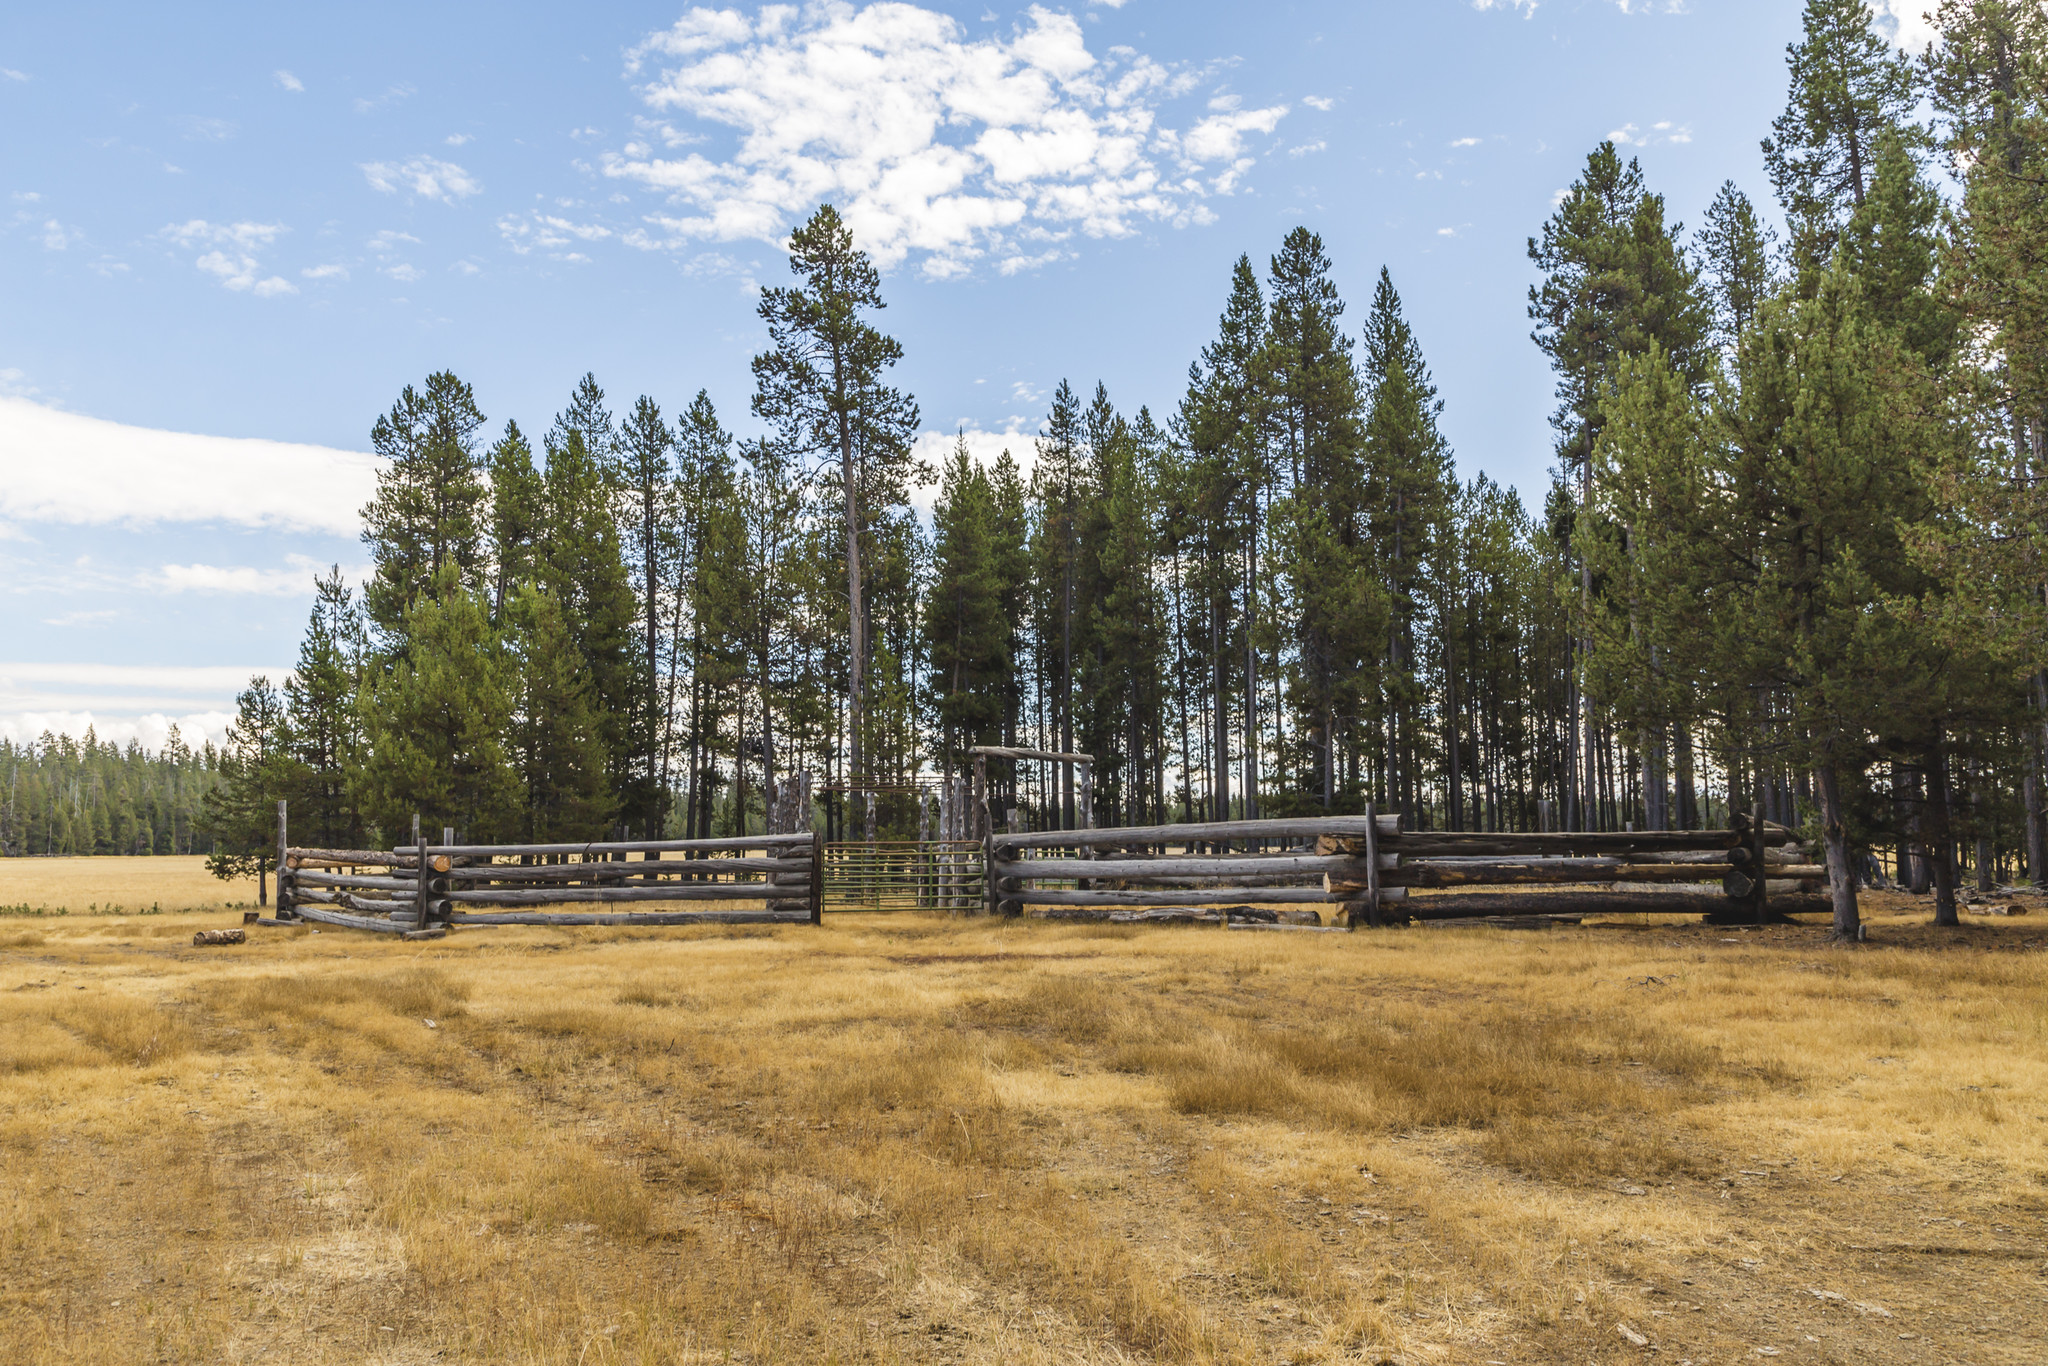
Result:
[817,878]
[985,832]
[420,895]
[284,902]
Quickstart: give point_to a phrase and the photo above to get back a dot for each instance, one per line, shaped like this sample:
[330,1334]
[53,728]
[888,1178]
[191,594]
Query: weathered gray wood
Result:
[1573,902]
[1190,867]
[1303,827]
[1010,752]
[362,880]
[629,918]
[1285,896]
[640,874]
[1301,929]
[619,846]
[359,858]
[284,886]
[1536,871]
[701,891]
[353,922]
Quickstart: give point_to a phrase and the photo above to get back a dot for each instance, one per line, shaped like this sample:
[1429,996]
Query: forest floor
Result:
[899,1139]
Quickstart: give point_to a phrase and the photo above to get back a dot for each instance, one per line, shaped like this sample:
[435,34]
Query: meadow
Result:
[905,1139]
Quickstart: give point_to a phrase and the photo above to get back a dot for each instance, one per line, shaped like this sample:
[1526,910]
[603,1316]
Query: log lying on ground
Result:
[639,872]
[1305,929]
[1480,904]
[353,922]
[701,891]
[630,918]
[1305,828]
[1218,915]
[207,937]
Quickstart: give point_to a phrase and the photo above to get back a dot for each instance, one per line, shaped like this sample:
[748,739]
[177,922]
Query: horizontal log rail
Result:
[632,918]
[389,884]
[713,891]
[618,872]
[618,846]
[1189,867]
[1285,896]
[1209,832]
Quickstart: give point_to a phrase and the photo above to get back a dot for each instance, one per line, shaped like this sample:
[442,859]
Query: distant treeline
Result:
[67,796]
[1792,558]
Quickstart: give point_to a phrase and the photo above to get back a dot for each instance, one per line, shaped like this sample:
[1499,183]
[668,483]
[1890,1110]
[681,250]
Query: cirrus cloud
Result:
[423,178]
[932,143]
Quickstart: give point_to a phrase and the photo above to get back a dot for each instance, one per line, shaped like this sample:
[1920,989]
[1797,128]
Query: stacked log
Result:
[1123,874]
[500,884]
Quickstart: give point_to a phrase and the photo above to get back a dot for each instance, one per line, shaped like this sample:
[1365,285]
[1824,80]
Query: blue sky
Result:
[230,233]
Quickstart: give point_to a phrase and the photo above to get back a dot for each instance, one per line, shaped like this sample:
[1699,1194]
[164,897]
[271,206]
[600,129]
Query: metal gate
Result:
[903,875]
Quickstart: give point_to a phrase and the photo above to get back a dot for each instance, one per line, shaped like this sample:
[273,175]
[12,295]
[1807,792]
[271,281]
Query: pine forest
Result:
[1792,558]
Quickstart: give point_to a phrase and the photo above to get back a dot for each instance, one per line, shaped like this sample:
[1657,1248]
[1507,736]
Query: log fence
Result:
[425,890]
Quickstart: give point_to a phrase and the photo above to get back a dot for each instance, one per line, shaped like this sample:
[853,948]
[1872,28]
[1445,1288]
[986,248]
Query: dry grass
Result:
[895,1140]
[43,887]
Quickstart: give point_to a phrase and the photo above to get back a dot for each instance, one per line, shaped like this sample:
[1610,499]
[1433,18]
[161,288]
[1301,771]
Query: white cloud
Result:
[932,143]
[55,237]
[404,272]
[11,74]
[123,702]
[527,232]
[1465,142]
[1525,7]
[389,239]
[1109,4]
[458,139]
[295,580]
[397,94]
[1308,148]
[289,81]
[233,261]
[936,448]
[1908,21]
[1629,135]
[76,470]
[1319,103]
[208,130]
[424,178]
[326,272]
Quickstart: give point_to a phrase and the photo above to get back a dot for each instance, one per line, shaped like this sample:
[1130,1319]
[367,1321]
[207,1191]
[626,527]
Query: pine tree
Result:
[555,737]
[649,491]
[820,387]
[241,811]
[1059,480]
[515,516]
[1849,87]
[967,635]
[321,742]
[581,564]
[1737,248]
[435,719]
[429,508]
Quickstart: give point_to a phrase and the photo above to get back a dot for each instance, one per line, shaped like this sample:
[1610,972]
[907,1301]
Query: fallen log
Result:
[206,937]
[353,922]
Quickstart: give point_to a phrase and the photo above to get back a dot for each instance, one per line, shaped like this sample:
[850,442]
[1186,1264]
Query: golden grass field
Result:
[899,1139]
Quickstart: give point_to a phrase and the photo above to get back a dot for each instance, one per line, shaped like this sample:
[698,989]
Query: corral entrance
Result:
[903,875]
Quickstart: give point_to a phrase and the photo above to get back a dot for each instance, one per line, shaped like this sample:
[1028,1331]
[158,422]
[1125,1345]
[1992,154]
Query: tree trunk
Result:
[1834,840]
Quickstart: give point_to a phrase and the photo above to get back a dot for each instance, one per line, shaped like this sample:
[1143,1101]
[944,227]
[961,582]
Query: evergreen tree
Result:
[649,489]
[581,564]
[434,722]
[1736,247]
[515,516]
[820,386]
[321,742]
[1849,88]
[967,635]
[555,737]
[241,810]
[429,508]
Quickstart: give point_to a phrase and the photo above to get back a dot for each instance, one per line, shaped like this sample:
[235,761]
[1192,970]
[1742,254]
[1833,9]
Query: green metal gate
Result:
[903,875]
